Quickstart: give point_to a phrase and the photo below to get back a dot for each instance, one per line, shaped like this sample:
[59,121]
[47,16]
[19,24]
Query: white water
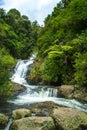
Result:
[9,124]
[38,93]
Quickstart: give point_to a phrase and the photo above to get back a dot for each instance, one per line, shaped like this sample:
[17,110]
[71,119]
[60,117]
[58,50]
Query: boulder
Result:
[3,120]
[20,113]
[17,88]
[71,91]
[33,123]
[69,119]
[66,91]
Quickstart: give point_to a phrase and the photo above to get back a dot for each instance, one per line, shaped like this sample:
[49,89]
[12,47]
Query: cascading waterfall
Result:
[20,71]
[35,93]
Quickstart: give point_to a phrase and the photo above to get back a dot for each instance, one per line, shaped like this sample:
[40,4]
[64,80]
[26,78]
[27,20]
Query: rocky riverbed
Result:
[47,116]
[50,116]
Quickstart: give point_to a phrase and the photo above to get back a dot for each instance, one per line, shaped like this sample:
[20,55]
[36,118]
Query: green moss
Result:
[3,120]
[42,123]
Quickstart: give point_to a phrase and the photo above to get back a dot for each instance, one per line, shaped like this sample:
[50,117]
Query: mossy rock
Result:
[3,120]
[33,123]
[69,119]
[81,94]
[20,113]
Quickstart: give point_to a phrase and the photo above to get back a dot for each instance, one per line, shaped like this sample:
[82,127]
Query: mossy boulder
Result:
[3,120]
[69,119]
[33,123]
[20,113]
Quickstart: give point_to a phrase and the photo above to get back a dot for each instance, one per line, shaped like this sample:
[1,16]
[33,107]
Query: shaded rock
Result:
[43,108]
[81,94]
[66,91]
[33,123]
[17,88]
[69,119]
[46,104]
[39,112]
[3,120]
[20,113]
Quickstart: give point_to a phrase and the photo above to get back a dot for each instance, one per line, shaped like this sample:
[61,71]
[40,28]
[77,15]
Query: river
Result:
[34,93]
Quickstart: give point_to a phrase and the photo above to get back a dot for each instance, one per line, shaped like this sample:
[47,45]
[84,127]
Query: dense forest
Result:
[61,45]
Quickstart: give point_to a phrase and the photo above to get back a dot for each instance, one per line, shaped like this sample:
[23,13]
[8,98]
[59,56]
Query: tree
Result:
[81,69]
[2,13]
[13,16]
[18,34]
[62,43]
[65,3]
[6,63]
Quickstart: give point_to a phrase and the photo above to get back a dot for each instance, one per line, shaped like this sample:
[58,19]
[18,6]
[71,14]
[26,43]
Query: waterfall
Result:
[52,92]
[19,76]
[20,71]
[35,93]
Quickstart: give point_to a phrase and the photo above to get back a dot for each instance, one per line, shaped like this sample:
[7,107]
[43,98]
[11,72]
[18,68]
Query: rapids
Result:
[34,93]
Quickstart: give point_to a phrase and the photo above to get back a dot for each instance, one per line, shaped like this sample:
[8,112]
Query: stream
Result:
[34,93]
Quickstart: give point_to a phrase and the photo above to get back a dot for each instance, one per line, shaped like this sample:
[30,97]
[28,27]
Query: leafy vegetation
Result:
[18,37]
[6,63]
[62,44]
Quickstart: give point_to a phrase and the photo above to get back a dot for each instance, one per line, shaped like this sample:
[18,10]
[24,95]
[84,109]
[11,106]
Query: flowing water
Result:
[34,93]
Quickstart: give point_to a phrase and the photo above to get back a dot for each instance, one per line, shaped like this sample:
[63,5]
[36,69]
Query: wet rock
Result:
[3,120]
[33,123]
[20,113]
[69,119]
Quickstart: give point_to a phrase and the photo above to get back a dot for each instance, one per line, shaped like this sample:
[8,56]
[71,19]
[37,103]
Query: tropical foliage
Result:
[62,44]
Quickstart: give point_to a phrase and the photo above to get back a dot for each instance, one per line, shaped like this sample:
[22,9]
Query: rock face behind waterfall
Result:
[17,88]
